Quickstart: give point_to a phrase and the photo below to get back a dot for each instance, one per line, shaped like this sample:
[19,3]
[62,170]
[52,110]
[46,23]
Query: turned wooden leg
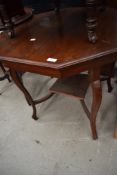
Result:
[17,79]
[96,101]
[6,20]
[91,20]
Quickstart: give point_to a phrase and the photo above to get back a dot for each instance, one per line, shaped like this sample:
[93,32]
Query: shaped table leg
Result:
[17,79]
[97,98]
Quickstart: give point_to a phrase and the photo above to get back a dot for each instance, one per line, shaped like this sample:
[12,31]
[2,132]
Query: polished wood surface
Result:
[57,38]
[52,36]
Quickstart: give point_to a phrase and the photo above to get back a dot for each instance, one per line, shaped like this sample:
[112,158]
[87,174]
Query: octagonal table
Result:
[51,45]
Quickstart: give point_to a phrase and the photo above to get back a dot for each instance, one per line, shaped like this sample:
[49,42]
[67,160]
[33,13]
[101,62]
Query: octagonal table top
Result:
[52,43]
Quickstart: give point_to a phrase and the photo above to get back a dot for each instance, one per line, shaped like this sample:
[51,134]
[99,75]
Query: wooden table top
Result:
[62,37]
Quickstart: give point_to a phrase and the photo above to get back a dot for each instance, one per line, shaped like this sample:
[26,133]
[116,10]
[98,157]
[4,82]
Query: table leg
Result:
[18,81]
[97,97]
[91,20]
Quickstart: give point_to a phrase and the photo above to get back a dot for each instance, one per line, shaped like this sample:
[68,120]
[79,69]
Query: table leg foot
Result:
[34,116]
[96,101]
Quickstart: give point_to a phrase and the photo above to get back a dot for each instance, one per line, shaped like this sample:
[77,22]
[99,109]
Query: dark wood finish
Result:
[67,42]
[50,42]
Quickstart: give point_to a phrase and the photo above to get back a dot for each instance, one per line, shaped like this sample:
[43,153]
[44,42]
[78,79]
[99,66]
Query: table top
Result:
[53,44]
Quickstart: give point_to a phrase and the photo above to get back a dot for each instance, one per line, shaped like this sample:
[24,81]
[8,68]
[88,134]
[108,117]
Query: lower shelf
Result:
[75,86]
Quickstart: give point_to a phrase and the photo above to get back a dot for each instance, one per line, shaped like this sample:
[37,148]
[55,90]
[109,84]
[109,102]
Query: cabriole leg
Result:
[97,98]
[17,79]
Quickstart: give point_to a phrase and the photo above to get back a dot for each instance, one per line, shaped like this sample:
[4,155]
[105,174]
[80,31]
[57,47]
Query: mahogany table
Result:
[51,45]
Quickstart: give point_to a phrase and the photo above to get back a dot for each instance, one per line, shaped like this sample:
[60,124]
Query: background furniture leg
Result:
[6,75]
[107,72]
[111,74]
[91,20]
[7,21]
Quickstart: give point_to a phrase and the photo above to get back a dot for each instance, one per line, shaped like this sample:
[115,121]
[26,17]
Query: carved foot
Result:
[35,117]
